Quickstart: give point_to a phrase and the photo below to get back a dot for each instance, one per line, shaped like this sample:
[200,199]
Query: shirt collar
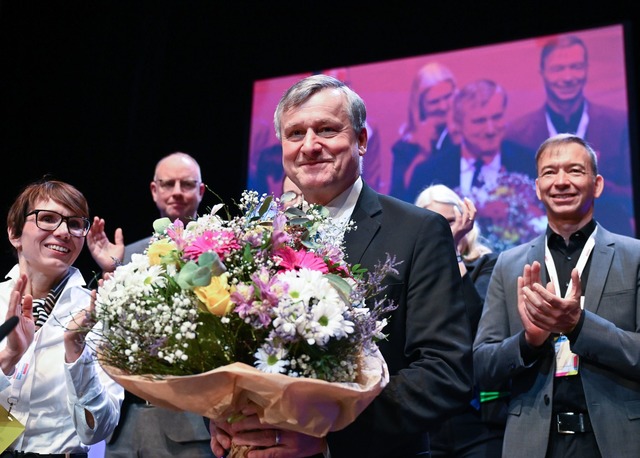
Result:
[469,164]
[581,234]
[342,206]
[562,125]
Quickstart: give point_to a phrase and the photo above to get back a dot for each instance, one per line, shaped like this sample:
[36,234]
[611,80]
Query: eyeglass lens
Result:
[48,220]
[185,185]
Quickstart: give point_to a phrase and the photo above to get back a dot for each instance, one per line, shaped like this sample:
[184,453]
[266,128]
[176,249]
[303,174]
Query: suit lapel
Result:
[601,260]
[366,215]
[536,253]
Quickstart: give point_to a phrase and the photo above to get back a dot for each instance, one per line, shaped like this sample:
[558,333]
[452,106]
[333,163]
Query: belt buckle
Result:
[570,423]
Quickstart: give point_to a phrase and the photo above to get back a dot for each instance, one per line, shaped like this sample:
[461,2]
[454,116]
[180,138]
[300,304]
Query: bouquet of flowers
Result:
[260,308]
[509,212]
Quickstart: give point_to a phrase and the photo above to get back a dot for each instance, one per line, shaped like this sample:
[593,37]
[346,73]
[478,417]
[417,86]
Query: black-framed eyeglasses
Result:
[185,185]
[48,220]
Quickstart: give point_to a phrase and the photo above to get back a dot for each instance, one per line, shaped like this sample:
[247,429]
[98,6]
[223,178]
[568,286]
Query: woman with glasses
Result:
[56,397]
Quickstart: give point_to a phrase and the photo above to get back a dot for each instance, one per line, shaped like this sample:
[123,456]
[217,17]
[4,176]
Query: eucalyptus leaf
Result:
[161,224]
[341,286]
[265,206]
[201,276]
[211,260]
[192,275]
[288,197]
[295,211]
[324,211]
[299,221]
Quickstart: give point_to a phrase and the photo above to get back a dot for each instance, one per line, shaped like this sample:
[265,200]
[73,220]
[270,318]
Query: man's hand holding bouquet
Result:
[254,314]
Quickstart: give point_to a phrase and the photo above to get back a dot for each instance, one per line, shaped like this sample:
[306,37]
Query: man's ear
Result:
[599,186]
[363,139]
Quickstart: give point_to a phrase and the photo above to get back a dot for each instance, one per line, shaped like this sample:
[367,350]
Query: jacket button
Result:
[546,399]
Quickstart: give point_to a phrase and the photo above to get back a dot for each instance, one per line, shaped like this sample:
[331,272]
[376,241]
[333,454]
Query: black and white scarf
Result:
[42,307]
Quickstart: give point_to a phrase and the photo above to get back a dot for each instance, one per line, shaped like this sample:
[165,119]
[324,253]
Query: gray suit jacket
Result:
[608,345]
[137,247]
[168,433]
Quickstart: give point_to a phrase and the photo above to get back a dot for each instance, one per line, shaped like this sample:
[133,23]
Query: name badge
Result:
[10,429]
[566,361]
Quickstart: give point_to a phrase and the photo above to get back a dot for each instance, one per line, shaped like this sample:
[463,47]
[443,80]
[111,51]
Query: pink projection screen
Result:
[593,83]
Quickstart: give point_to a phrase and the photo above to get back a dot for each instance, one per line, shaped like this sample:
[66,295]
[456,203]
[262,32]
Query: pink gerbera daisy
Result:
[296,260]
[221,242]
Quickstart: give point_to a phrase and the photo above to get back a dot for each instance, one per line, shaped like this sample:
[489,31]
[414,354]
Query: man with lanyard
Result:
[564,67]
[568,346]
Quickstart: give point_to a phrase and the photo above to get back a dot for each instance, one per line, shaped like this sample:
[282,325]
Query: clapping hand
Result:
[77,329]
[106,254]
[542,311]
[465,216]
[18,340]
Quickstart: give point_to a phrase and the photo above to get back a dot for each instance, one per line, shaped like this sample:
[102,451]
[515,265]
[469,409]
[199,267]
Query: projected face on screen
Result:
[565,83]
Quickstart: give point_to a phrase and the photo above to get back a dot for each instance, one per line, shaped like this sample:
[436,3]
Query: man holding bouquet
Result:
[321,125]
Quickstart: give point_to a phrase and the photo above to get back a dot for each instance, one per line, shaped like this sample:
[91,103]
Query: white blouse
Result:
[51,394]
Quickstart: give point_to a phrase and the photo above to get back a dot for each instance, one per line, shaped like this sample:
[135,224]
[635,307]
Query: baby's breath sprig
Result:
[269,288]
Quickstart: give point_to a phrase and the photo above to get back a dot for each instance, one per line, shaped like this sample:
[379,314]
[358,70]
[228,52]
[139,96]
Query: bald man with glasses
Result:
[146,430]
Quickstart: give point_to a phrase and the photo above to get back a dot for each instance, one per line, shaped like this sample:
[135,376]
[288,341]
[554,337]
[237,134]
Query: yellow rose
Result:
[216,296]
[158,249]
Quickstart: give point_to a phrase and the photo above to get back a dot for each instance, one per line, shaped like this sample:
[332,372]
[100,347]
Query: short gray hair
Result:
[304,89]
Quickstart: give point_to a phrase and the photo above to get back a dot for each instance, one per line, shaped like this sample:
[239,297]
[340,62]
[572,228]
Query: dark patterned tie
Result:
[477,181]
[42,307]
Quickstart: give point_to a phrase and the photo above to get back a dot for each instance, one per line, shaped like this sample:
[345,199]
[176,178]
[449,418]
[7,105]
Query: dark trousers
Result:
[467,436]
[579,445]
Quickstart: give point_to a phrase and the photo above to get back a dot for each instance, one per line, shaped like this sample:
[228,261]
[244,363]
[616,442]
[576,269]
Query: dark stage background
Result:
[96,92]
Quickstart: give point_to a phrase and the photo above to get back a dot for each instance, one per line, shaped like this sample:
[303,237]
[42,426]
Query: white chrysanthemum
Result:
[271,360]
[328,320]
[325,309]
[127,284]
[306,284]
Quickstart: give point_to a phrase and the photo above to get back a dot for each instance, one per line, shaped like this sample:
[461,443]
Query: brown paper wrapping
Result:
[308,406]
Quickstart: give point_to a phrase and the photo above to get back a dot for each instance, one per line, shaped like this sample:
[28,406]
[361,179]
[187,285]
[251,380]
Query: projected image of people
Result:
[427,128]
[498,175]
[472,119]
[564,67]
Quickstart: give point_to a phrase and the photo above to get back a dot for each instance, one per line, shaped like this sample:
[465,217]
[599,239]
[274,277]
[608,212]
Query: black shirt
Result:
[568,393]
[570,126]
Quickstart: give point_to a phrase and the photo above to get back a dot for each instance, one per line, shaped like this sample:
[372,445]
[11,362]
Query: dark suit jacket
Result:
[608,345]
[428,348]
[475,285]
[444,167]
[404,153]
[136,247]
[607,133]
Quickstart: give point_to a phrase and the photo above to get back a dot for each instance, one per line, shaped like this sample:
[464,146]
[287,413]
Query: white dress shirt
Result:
[341,207]
[489,173]
[53,395]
